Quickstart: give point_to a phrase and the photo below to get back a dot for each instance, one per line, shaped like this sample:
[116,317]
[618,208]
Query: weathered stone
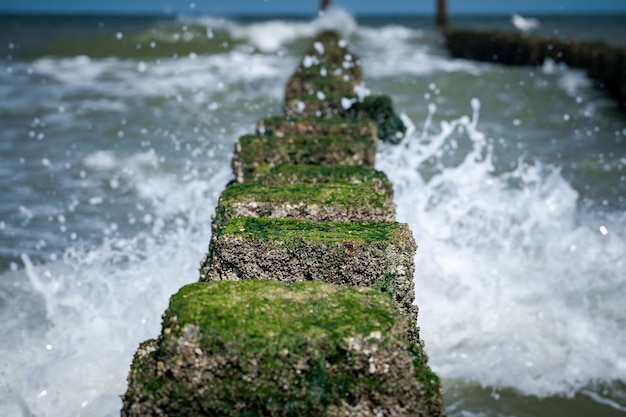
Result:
[315,126]
[389,126]
[260,348]
[315,202]
[323,84]
[356,202]
[251,151]
[372,254]
[320,174]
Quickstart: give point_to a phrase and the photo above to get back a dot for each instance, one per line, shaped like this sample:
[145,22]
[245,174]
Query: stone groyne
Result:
[604,64]
[305,303]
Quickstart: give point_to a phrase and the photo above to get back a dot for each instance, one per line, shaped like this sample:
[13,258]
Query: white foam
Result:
[111,77]
[516,286]
[270,36]
[408,54]
[100,304]
[337,19]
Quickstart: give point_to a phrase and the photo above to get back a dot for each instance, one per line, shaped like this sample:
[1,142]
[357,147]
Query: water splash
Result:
[516,284]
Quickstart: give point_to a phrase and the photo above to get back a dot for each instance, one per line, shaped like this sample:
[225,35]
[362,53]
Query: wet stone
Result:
[320,174]
[316,202]
[371,254]
[289,126]
[252,151]
[325,80]
[260,348]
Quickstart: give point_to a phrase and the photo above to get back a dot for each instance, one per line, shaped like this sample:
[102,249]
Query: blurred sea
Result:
[116,135]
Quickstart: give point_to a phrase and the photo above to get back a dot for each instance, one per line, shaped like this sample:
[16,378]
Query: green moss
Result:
[430,382]
[380,109]
[288,125]
[340,194]
[268,329]
[299,174]
[332,232]
[259,348]
[254,150]
[305,104]
[269,316]
[331,70]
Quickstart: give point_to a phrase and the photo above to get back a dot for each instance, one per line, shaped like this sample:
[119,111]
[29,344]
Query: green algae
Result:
[324,80]
[327,63]
[259,348]
[289,125]
[389,126]
[268,316]
[306,201]
[282,229]
[254,150]
[320,174]
[370,254]
[343,194]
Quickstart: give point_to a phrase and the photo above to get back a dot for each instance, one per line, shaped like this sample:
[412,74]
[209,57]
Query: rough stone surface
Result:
[298,313]
[288,126]
[318,202]
[323,84]
[259,348]
[320,174]
[251,151]
[373,254]
[315,202]
[389,126]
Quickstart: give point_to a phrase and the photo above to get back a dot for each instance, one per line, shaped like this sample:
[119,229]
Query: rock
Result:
[320,174]
[372,254]
[311,126]
[315,202]
[260,348]
[324,85]
[325,79]
[389,126]
[251,151]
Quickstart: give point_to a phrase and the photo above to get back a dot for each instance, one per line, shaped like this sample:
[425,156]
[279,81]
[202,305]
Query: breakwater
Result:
[307,209]
[603,63]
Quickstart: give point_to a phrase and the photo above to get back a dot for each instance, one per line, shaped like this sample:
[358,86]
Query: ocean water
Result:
[116,136]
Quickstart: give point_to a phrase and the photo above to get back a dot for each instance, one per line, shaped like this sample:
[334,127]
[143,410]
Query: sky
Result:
[272,7]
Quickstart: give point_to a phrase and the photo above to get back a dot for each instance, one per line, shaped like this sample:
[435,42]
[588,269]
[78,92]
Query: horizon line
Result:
[137,13]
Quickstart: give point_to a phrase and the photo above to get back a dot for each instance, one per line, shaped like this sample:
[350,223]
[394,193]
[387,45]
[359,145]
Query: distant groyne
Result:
[305,302]
[603,63]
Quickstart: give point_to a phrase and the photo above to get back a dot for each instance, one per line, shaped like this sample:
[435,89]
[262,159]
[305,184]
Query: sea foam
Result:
[517,286]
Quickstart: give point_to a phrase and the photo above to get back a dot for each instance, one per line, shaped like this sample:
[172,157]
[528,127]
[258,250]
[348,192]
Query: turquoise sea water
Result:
[115,141]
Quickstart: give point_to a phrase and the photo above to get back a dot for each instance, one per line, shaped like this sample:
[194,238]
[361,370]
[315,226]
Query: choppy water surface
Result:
[115,140]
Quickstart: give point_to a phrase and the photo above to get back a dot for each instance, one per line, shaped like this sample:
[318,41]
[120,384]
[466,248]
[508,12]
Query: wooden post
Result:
[442,14]
[324,4]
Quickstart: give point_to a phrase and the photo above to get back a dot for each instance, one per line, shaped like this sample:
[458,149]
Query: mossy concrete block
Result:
[251,151]
[371,254]
[357,202]
[289,126]
[324,82]
[260,348]
[320,174]
[379,109]
[327,105]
